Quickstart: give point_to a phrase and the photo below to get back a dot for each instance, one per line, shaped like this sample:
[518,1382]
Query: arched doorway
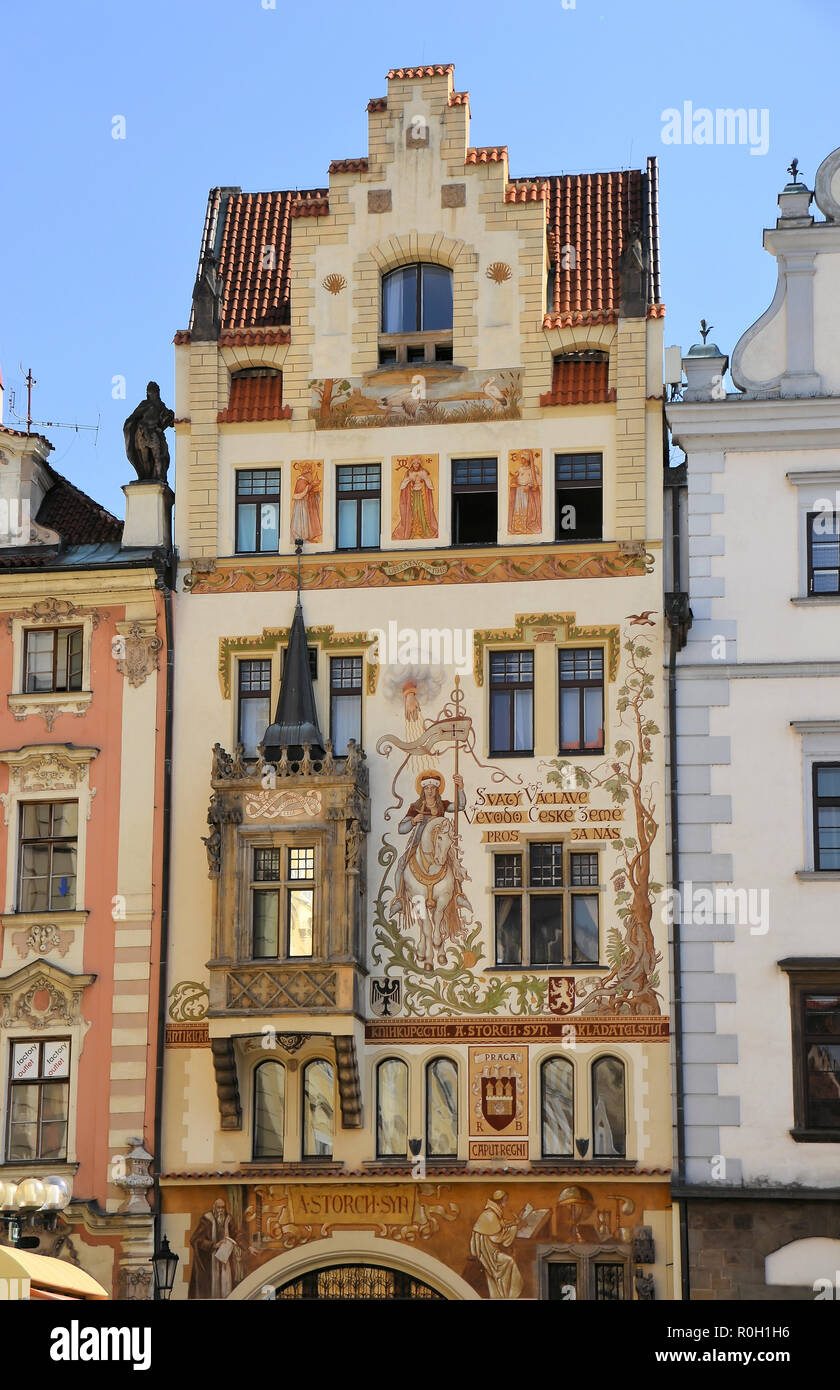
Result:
[357,1281]
[354,1248]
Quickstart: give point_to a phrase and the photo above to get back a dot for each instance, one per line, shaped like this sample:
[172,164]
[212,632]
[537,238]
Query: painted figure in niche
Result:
[491,1236]
[429,878]
[418,518]
[306,501]
[217,1257]
[525,492]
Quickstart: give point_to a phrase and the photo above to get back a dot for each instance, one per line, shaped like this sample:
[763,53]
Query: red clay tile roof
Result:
[349,166]
[591,214]
[459,99]
[486,154]
[182,336]
[579,383]
[254,337]
[430,70]
[378,104]
[75,516]
[255,398]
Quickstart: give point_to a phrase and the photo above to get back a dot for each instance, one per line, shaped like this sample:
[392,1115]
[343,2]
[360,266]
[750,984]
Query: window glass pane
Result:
[436,288]
[253,722]
[39,660]
[593,719]
[578,511]
[584,928]
[345,722]
[246,526]
[269,526]
[36,820]
[302,864]
[269,1109]
[266,923]
[266,865]
[562,1280]
[500,721]
[557,1107]
[828,781]
[25,1062]
[507,870]
[370,521]
[584,870]
[442,1108]
[318,1110]
[523,720]
[546,864]
[55,1059]
[54,1120]
[300,921]
[347,523]
[34,894]
[822,1014]
[823,1085]
[74,660]
[391,1109]
[508,930]
[570,719]
[546,929]
[828,836]
[608,1116]
[65,818]
[399,300]
[63,892]
[35,860]
[609,1283]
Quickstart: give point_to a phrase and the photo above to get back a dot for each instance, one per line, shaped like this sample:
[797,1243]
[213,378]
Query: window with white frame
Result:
[39,1100]
[47,856]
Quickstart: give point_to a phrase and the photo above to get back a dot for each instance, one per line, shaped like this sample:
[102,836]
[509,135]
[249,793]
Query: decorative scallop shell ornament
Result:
[334,283]
[499,271]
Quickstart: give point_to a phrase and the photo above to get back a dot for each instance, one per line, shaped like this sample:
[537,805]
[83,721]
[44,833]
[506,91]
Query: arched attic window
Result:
[416,321]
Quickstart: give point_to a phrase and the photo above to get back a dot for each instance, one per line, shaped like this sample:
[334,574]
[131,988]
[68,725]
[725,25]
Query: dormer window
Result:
[416,315]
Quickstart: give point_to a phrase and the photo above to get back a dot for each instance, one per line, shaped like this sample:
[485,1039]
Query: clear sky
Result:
[99,237]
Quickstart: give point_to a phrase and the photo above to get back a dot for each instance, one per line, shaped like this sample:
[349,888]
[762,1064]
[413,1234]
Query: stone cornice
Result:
[800,422]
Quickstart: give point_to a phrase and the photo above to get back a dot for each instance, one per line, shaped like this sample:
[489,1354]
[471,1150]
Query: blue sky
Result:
[99,237]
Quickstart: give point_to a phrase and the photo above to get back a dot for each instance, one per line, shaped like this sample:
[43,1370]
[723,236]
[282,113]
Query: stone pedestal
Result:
[148,515]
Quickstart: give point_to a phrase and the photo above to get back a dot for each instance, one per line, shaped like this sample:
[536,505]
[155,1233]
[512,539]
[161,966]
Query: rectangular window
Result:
[257,510]
[821,1057]
[511,702]
[39,1093]
[254,703]
[53,659]
[554,920]
[827,816]
[824,552]
[47,857]
[345,701]
[600,1278]
[283,901]
[358,490]
[475,509]
[581,699]
[579,497]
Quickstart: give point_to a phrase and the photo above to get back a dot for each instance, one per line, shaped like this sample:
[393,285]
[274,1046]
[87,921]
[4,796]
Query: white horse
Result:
[431,887]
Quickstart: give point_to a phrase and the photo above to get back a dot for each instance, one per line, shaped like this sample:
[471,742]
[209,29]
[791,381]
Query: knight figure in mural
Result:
[145,439]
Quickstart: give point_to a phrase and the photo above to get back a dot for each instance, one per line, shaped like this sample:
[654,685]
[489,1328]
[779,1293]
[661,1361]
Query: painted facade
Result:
[418,1002]
[82,666]
[758,754]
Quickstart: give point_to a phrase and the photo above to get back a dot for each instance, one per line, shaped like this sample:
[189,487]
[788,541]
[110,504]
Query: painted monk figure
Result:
[217,1257]
[491,1236]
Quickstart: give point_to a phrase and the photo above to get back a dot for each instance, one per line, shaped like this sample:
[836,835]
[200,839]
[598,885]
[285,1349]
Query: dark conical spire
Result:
[296,718]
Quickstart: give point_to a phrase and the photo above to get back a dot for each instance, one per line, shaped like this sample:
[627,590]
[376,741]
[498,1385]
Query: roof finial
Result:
[298,552]
[705,329]
[793,170]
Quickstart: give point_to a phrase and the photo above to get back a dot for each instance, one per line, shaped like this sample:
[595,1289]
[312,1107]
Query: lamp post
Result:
[34,1201]
[164,1264]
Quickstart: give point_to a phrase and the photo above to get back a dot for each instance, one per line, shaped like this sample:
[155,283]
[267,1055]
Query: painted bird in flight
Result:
[641,619]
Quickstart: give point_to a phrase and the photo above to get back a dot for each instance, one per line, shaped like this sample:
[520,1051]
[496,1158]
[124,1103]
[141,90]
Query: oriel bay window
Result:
[53,659]
[546,906]
[511,703]
[345,701]
[257,510]
[827,816]
[391,1109]
[254,703]
[47,856]
[475,509]
[358,489]
[269,1109]
[581,699]
[282,897]
[39,1099]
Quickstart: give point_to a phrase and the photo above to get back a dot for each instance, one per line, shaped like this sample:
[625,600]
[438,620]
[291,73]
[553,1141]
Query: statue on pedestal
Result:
[145,438]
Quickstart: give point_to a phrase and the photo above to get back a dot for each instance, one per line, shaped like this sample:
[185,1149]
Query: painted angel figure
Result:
[306,503]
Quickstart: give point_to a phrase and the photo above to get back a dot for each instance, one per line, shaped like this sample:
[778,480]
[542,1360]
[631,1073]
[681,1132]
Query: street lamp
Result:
[36,1201]
[164,1264]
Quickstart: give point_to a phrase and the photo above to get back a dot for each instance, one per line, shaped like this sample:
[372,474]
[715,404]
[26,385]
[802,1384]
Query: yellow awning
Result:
[45,1272]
